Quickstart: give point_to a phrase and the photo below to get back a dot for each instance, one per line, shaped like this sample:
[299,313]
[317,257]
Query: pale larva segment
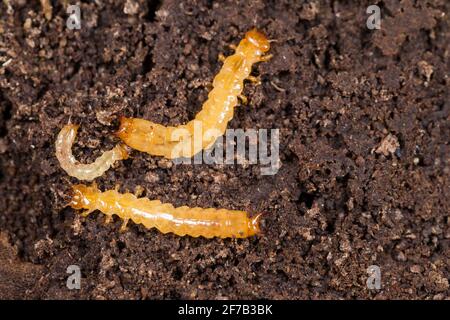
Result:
[194,222]
[63,148]
[216,112]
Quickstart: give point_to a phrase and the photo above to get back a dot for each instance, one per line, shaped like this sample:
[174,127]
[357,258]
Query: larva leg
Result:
[221,57]
[87,212]
[255,80]
[243,99]
[138,191]
[123,227]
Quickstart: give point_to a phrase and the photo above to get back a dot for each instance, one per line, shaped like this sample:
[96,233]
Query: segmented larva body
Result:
[173,142]
[63,146]
[181,221]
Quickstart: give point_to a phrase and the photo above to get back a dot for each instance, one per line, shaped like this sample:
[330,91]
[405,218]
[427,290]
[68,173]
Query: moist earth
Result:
[364,129]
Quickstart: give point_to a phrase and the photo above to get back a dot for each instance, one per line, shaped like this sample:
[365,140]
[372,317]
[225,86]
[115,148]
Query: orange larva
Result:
[173,142]
[194,222]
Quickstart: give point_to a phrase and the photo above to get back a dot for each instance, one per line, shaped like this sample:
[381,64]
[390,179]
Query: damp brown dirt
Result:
[364,131]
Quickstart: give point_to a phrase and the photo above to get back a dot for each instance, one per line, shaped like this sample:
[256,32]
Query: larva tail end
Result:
[124,129]
[253,225]
[124,151]
[70,126]
[74,126]
[258,39]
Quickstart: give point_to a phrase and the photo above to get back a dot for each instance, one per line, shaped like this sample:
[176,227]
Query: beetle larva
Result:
[63,146]
[194,222]
[217,111]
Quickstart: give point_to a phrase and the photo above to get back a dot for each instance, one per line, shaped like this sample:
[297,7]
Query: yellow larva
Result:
[194,222]
[217,111]
[63,146]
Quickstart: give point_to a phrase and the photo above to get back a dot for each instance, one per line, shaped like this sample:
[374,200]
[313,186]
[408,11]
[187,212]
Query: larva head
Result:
[83,196]
[258,39]
[125,127]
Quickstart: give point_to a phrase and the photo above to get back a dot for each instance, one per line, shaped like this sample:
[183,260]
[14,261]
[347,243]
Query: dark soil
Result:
[364,120]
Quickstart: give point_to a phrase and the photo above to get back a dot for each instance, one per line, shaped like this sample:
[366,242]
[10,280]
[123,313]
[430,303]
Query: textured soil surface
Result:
[364,130]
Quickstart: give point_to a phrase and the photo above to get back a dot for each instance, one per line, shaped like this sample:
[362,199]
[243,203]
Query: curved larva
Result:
[185,141]
[63,146]
[194,222]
